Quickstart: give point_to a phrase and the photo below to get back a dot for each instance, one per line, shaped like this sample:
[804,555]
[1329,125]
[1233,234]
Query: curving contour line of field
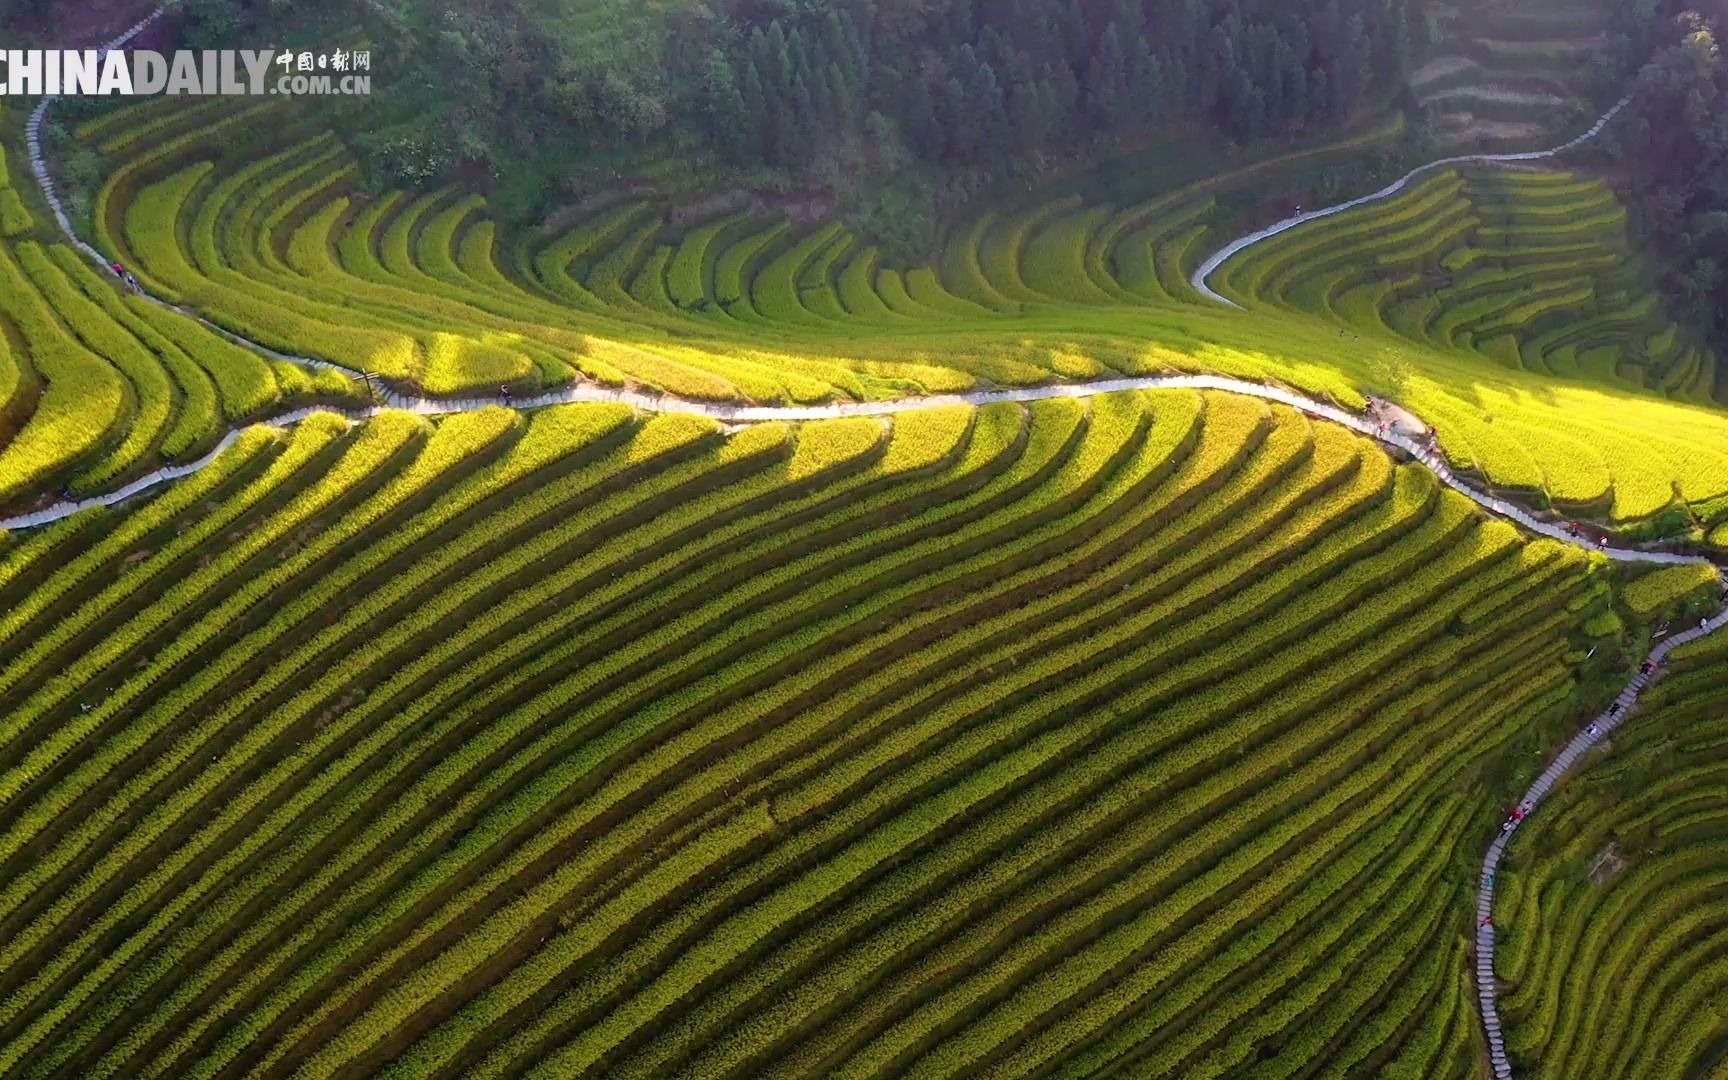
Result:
[1186,446]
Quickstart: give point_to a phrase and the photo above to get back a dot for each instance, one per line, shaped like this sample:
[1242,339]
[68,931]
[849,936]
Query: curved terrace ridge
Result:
[1580,743]
[1235,247]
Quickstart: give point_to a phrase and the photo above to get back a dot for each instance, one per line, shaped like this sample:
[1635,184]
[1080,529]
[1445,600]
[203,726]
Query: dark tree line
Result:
[539,97]
[1675,143]
[981,81]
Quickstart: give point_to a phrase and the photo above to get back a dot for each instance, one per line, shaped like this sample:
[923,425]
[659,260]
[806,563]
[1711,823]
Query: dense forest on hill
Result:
[1675,150]
[793,91]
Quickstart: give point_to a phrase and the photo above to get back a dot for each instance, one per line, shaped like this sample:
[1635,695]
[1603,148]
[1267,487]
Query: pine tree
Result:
[1296,105]
[824,105]
[954,116]
[728,116]
[1065,93]
[846,103]
[921,119]
[1319,96]
[1180,102]
[1147,91]
[1031,106]
[758,112]
[1218,72]
[989,108]
[1107,81]
[805,127]
[1075,35]
[840,47]
[1399,45]
[777,69]
[1130,19]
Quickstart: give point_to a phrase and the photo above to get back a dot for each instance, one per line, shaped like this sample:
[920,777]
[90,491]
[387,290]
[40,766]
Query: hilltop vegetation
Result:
[554,100]
[1676,155]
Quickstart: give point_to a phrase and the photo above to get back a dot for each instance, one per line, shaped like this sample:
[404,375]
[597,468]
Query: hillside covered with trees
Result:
[533,91]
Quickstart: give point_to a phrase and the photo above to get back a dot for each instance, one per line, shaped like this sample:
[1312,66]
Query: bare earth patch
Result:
[1607,864]
[1467,128]
[1497,94]
[1440,67]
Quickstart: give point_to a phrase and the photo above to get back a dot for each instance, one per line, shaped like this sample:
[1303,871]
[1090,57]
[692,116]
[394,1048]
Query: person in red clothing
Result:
[119,271]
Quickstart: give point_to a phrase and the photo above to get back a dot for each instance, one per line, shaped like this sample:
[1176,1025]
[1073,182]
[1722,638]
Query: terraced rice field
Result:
[429,292]
[1531,269]
[1145,733]
[1505,75]
[97,385]
[582,740]
[1613,930]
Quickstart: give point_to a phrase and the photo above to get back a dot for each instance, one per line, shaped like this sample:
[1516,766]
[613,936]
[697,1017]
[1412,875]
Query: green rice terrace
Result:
[1630,895]
[686,643]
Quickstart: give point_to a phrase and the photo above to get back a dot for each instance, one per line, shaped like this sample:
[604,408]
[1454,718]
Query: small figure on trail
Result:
[504,392]
[1603,542]
[1614,709]
[119,271]
[1506,826]
[1646,668]
[1703,626]
[1298,209]
[1660,630]
[1591,731]
[1486,919]
[132,283]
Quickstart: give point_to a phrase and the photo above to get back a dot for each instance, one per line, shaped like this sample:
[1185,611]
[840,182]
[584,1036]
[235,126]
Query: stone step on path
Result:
[1591,736]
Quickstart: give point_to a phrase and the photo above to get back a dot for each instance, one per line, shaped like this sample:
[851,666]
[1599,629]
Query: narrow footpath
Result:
[1236,247]
[1487,986]
[1592,734]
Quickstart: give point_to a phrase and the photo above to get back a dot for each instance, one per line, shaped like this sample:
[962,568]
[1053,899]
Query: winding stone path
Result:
[1237,246]
[741,414]
[1487,987]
